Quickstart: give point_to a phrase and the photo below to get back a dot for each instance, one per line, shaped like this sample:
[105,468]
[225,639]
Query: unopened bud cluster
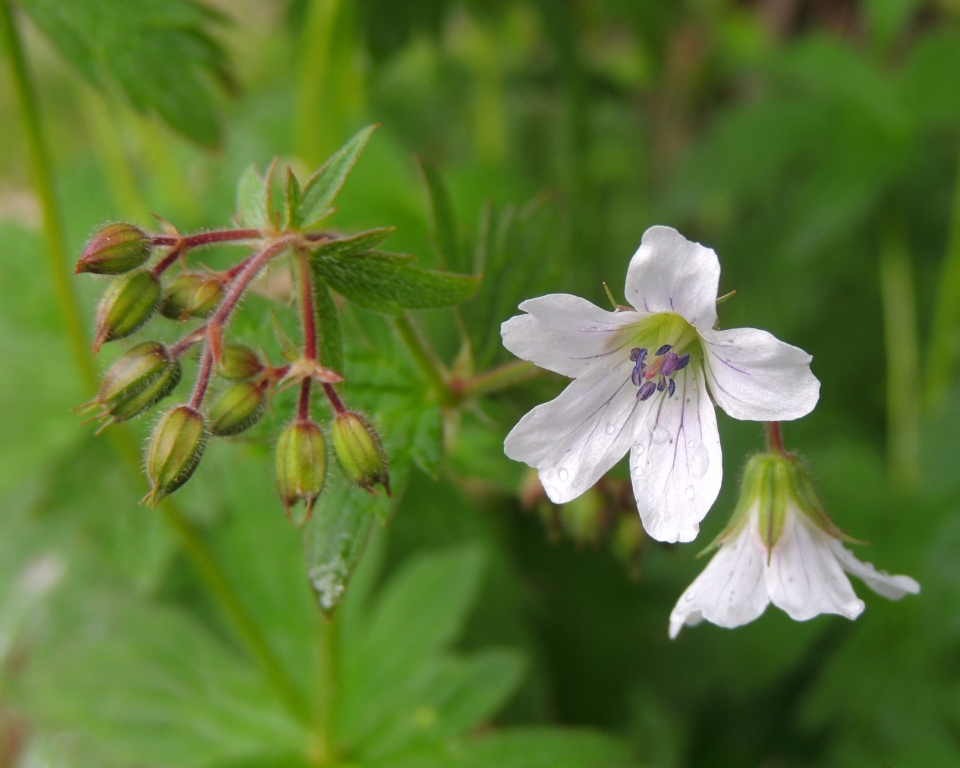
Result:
[140,290]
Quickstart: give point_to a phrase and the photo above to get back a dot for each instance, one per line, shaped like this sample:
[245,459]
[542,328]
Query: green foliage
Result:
[320,189]
[254,210]
[159,53]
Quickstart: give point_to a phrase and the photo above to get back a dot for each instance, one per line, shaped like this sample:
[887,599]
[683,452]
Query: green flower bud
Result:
[582,518]
[175,449]
[115,249]
[301,464]
[136,381]
[239,362]
[360,451]
[128,302]
[191,295]
[238,408]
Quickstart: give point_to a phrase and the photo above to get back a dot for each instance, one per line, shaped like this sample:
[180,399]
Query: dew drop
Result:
[691,443]
[699,461]
[688,597]
[689,493]
[563,475]
[552,492]
[638,449]
[660,435]
[611,428]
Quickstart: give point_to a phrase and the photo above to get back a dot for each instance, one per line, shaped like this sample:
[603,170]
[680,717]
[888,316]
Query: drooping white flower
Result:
[645,380]
[780,547]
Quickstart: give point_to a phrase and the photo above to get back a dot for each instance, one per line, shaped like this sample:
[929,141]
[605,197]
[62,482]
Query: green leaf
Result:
[389,283]
[160,53]
[353,245]
[329,327]
[292,202]
[322,187]
[427,446]
[446,236]
[930,89]
[151,686]
[253,200]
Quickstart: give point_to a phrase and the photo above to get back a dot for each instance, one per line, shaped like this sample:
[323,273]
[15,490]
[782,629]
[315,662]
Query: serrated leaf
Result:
[353,245]
[389,283]
[322,187]
[329,327]
[160,54]
[253,200]
[443,221]
[292,202]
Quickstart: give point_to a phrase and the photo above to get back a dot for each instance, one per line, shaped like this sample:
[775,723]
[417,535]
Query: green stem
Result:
[496,379]
[323,750]
[902,351]
[72,316]
[58,261]
[424,358]
[944,347]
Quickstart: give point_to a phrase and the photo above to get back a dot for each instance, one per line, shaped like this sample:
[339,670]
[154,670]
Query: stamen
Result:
[646,390]
[635,377]
[669,364]
[634,353]
[671,387]
[662,384]
[682,361]
[664,349]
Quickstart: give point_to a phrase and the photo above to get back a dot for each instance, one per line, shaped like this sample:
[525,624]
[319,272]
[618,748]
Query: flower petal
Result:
[881,582]
[804,577]
[731,591]
[756,377]
[669,273]
[675,462]
[564,333]
[574,439]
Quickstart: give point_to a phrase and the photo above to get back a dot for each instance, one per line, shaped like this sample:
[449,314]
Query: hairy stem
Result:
[203,378]
[424,357]
[323,749]
[944,348]
[202,239]
[42,174]
[243,279]
[309,321]
[902,351]
[775,438]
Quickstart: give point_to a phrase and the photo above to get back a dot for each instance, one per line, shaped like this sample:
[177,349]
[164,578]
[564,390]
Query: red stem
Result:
[207,238]
[203,378]
[306,310]
[334,398]
[254,264]
[164,264]
[303,408]
[775,438]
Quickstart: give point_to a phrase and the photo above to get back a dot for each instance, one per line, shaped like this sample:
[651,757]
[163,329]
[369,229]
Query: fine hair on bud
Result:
[191,294]
[127,304]
[301,464]
[360,451]
[238,362]
[115,249]
[174,451]
[238,408]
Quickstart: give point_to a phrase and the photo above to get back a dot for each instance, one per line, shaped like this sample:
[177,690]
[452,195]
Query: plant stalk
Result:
[324,747]
[495,380]
[424,357]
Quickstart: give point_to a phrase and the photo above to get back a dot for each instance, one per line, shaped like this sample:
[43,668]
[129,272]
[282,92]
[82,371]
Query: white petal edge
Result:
[676,464]
[884,584]
[574,439]
[669,273]
[804,577]
[565,334]
[754,376]
[732,590]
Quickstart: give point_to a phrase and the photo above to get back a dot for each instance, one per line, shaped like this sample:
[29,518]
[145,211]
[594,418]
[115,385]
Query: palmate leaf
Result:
[159,52]
[320,189]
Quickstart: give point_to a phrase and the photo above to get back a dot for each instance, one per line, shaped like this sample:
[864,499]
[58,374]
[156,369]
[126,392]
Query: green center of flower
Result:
[666,341]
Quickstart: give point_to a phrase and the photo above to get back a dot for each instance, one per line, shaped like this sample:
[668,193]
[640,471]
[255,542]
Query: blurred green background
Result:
[812,143]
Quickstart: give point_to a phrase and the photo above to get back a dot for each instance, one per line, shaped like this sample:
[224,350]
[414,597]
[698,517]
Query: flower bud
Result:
[238,408]
[137,380]
[239,362]
[128,302]
[175,449]
[115,249]
[301,464]
[360,451]
[191,295]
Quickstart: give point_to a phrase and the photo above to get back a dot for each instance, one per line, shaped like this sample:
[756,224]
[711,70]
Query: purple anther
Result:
[635,377]
[682,361]
[669,363]
[634,353]
[662,384]
[664,349]
[646,390]
[671,388]
[641,356]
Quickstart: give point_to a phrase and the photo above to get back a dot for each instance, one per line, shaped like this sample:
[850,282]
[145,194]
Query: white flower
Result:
[646,380]
[780,547]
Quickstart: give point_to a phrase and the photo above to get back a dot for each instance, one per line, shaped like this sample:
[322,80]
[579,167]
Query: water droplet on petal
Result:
[689,493]
[691,443]
[638,449]
[699,461]
[688,597]
[563,475]
[660,435]
[611,428]
[552,492]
